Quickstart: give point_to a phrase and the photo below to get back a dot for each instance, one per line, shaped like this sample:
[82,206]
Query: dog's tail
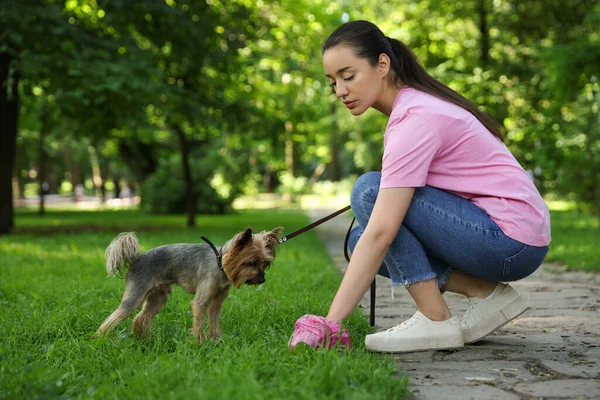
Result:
[121,252]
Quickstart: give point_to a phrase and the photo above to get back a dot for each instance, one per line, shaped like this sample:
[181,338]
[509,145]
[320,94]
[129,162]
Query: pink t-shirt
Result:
[429,141]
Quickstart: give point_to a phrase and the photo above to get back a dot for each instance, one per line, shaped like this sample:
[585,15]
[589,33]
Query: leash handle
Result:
[373,287]
[372,306]
[285,238]
[346,240]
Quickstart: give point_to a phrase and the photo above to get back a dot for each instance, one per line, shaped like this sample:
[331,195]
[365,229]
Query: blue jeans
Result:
[442,231]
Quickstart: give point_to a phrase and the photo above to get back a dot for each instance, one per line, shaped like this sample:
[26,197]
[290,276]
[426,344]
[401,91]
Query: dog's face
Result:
[248,255]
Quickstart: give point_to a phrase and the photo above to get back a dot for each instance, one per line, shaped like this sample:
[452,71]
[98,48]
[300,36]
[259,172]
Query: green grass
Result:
[54,294]
[575,238]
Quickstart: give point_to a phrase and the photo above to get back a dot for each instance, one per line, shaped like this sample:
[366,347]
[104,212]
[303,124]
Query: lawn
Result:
[54,294]
[575,238]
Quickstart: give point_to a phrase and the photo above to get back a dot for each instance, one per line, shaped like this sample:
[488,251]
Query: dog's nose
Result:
[261,280]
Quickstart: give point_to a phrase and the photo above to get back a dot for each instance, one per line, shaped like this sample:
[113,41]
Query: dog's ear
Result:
[275,232]
[244,238]
[272,238]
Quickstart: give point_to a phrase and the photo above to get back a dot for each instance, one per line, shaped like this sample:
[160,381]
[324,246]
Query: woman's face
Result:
[357,83]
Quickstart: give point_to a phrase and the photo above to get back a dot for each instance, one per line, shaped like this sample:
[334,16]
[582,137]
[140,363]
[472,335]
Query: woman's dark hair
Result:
[367,41]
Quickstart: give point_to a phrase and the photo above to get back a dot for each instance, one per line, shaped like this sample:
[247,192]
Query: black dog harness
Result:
[217,253]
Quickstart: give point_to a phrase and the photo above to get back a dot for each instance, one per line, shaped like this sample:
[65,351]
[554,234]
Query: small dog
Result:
[194,267]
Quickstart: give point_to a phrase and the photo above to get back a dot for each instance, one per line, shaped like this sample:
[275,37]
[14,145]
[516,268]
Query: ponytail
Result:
[410,72]
[368,42]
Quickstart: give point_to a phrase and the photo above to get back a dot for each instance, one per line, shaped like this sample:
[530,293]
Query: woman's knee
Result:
[355,234]
[364,192]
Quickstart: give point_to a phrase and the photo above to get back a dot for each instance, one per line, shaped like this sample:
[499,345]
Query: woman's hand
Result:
[385,221]
[318,332]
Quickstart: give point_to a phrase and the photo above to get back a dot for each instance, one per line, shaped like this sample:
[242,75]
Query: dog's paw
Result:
[197,336]
[215,335]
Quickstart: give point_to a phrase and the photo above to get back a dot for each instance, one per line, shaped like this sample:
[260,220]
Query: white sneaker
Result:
[484,316]
[418,333]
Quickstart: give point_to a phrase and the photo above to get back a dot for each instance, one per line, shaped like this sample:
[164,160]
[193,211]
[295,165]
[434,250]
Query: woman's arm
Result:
[389,210]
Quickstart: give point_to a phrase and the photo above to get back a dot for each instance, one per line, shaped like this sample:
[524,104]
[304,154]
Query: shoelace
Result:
[405,325]
[472,304]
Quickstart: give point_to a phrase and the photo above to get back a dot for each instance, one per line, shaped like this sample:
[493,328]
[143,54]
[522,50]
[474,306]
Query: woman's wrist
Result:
[334,318]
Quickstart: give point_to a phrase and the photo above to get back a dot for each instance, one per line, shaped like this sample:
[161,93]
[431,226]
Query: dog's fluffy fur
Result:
[194,267]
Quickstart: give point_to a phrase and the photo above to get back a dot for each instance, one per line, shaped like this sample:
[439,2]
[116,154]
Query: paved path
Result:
[552,351]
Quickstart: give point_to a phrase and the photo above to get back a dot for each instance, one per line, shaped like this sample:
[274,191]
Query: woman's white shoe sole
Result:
[423,344]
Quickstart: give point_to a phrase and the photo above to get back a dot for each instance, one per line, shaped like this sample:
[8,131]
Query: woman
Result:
[450,211]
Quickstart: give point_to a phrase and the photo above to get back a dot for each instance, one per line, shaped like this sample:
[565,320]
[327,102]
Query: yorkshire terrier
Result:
[194,267]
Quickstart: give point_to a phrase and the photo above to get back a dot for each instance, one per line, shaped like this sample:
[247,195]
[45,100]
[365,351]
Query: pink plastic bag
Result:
[318,332]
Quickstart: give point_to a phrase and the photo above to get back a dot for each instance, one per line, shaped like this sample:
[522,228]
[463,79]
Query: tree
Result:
[9,111]
[53,49]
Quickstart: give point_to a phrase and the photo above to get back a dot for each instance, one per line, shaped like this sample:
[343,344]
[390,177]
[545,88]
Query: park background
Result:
[177,119]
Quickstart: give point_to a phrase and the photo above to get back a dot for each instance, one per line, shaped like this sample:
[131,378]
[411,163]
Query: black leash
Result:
[217,253]
[310,226]
[373,289]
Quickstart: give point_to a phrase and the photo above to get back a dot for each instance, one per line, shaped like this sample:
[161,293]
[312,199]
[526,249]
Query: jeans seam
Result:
[506,265]
[444,277]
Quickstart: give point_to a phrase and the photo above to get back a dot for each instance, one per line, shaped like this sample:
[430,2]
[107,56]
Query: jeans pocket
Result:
[524,262]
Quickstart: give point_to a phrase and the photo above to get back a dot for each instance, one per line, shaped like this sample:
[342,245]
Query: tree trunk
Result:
[596,190]
[316,174]
[289,149]
[104,176]
[20,166]
[96,175]
[139,157]
[117,192]
[268,180]
[190,201]
[20,186]
[74,167]
[334,147]
[594,137]
[484,34]
[9,112]
[42,158]
[53,181]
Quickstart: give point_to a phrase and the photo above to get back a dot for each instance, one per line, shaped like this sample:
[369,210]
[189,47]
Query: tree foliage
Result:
[235,93]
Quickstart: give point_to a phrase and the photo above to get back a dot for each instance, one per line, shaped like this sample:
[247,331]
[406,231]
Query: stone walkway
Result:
[552,351]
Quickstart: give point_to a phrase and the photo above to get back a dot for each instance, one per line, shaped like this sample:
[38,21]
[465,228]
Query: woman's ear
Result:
[383,65]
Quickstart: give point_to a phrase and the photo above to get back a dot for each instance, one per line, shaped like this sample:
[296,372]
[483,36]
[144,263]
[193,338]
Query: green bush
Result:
[164,191]
[292,184]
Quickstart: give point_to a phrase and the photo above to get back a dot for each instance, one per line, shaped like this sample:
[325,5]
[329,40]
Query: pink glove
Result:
[318,332]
